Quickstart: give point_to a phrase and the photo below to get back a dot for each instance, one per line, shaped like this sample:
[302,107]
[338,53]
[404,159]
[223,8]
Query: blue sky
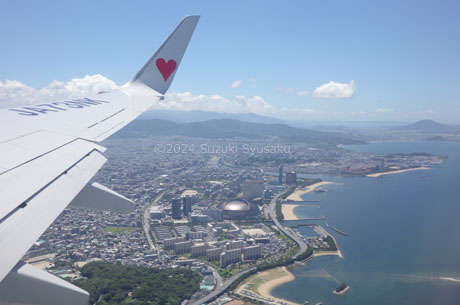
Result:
[402,56]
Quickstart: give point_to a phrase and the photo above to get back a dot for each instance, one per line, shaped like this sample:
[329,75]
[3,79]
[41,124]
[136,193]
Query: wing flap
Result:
[22,183]
[23,227]
[95,196]
[25,148]
[26,284]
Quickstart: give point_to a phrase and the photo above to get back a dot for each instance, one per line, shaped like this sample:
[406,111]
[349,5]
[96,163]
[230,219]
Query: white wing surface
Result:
[49,152]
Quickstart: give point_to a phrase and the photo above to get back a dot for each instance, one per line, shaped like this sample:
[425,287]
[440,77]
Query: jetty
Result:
[338,231]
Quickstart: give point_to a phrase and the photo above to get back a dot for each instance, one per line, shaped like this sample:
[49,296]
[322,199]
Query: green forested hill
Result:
[118,284]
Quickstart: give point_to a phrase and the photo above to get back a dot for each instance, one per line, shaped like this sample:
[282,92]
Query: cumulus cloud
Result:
[236,84]
[15,93]
[302,93]
[217,103]
[334,90]
[253,83]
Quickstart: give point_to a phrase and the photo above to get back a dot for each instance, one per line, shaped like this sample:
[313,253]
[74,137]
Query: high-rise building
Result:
[213,254]
[382,164]
[291,178]
[175,208]
[187,205]
[236,244]
[280,175]
[252,252]
[199,250]
[182,247]
[230,257]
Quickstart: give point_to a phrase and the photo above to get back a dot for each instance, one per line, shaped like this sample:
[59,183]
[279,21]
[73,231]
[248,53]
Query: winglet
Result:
[160,69]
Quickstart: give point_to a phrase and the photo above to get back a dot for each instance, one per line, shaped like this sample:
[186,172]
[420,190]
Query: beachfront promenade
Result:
[298,240]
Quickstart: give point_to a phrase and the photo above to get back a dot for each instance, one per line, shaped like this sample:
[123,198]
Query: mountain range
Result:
[231,129]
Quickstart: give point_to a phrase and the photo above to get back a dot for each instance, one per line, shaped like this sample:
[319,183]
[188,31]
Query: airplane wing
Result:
[48,154]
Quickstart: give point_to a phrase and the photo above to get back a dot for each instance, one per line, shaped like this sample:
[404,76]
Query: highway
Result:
[219,290]
[272,212]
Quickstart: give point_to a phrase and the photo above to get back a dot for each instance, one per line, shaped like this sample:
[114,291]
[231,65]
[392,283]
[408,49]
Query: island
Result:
[342,289]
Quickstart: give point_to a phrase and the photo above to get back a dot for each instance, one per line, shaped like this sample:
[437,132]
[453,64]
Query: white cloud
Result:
[302,93]
[217,103]
[384,110]
[334,90]
[236,84]
[15,93]
[253,83]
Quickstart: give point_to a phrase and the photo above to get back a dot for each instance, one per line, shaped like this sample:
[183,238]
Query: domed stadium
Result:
[238,208]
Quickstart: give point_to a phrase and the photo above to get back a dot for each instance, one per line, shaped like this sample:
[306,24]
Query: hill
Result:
[182,116]
[428,126]
[230,128]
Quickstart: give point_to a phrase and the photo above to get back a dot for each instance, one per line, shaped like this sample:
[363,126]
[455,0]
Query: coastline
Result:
[325,253]
[297,195]
[268,280]
[288,211]
[376,175]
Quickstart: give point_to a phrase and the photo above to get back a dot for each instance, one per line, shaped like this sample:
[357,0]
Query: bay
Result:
[403,235]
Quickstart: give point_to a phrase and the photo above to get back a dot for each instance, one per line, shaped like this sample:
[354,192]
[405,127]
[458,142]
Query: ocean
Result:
[403,235]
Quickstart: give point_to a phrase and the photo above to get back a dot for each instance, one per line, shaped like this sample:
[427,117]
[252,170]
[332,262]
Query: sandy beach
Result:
[262,283]
[376,175]
[297,195]
[324,253]
[288,211]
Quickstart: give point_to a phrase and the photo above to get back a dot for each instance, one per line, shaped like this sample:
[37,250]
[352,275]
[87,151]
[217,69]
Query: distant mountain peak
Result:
[428,126]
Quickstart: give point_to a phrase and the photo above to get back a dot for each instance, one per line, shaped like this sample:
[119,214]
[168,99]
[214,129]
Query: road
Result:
[219,290]
[147,219]
[272,212]
[216,274]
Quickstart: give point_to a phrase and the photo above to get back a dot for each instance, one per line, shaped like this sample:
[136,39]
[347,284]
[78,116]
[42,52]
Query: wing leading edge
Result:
[48,155]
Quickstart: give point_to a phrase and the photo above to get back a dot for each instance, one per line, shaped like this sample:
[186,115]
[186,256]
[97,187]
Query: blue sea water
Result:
[403,234]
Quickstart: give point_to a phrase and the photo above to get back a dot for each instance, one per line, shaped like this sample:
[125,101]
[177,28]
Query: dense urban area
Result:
[207,208]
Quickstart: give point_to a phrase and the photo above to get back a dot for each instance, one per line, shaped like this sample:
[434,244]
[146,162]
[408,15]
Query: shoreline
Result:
[376,175]
[325,253]
[288,211]
[297,195]
[265,288]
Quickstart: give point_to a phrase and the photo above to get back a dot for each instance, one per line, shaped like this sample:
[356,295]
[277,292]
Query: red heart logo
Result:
[166,68]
